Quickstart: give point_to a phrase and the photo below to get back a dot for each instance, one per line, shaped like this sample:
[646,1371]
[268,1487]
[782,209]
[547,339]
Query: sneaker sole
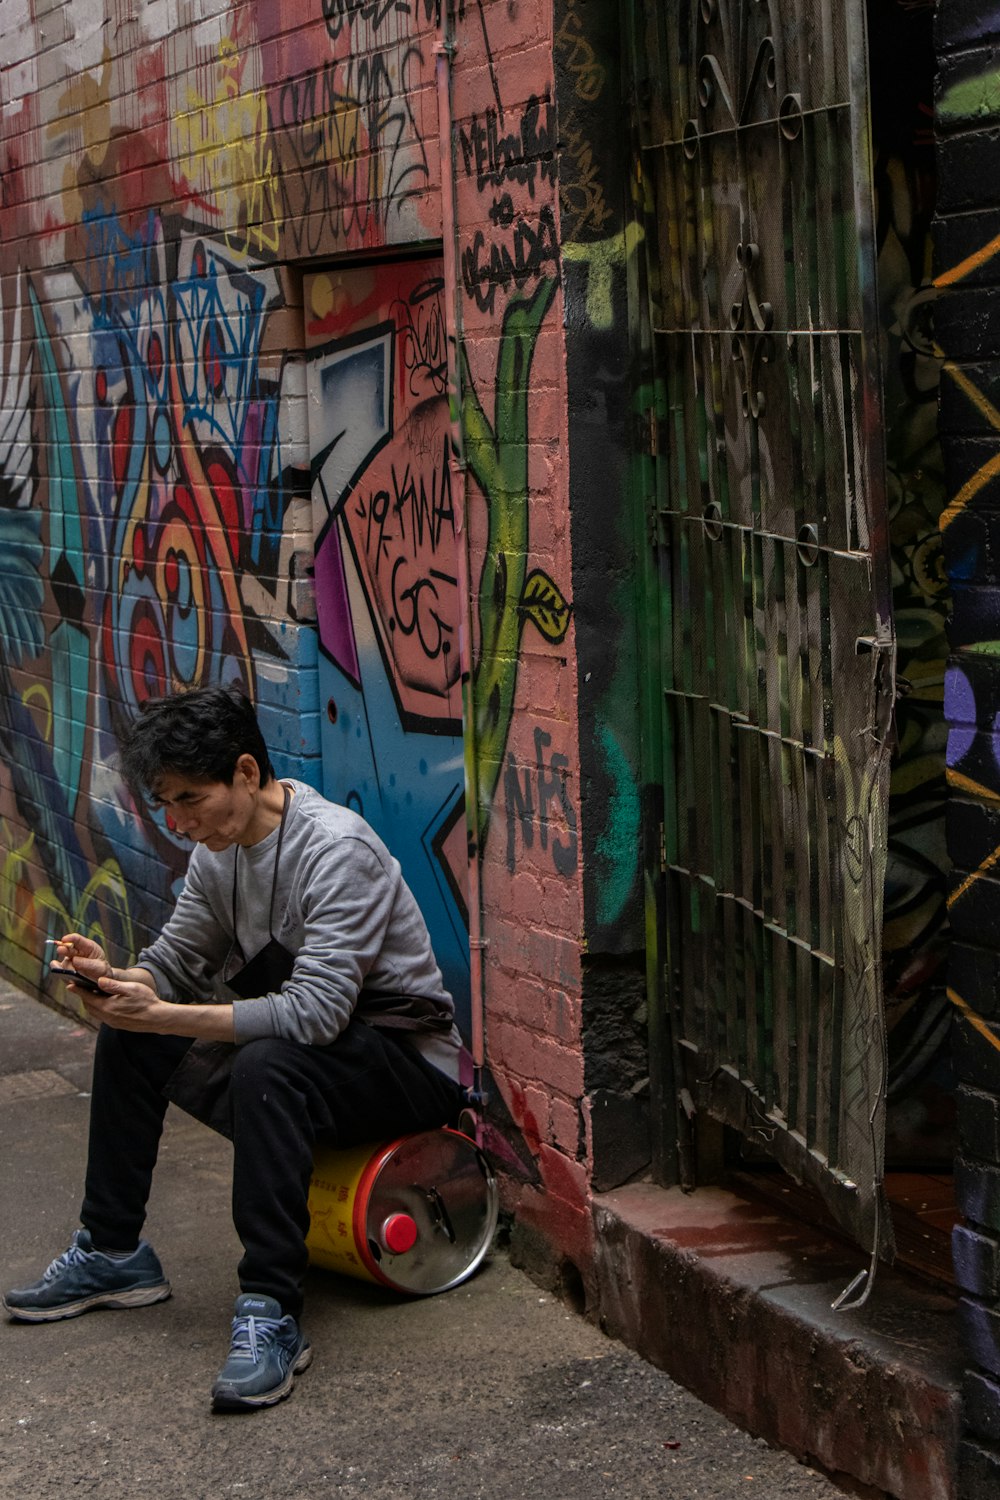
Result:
[140,1296]
[229,1400]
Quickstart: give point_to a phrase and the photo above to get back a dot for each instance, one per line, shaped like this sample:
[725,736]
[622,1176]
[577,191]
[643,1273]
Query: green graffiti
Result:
[508,595]
[617,845]
[602,257]
[972,99]
[69,644]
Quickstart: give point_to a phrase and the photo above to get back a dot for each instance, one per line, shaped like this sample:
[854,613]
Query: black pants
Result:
[284,1097]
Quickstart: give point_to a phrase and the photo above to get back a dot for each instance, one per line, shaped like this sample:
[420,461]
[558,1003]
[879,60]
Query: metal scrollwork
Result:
[767,525]
[790,116]
[740,65]
[765,66]
[716,82]
[751,321]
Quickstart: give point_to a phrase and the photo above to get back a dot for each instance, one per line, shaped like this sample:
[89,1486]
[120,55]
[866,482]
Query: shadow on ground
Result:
[493,1390]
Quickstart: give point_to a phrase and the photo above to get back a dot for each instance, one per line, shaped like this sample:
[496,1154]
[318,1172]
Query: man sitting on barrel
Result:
[292,996]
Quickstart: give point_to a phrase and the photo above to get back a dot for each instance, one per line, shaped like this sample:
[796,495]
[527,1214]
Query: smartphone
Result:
[80,979]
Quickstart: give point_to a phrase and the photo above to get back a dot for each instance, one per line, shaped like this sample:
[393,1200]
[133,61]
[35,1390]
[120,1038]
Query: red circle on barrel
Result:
[399,1233]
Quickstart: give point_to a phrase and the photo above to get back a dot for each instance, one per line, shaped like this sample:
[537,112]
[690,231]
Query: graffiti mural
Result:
[387,574]
[161,553]
[150,493]
[350,97]
[45,873]
[603,214]
[511,592]
[387,577]
[522,243]
[915,936]
[231,446]
[223,144]
[507,173]
[145,499]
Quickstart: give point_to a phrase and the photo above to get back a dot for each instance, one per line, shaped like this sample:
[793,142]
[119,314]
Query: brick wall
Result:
[507,202]
[156,522]
[208,224]
[968,278]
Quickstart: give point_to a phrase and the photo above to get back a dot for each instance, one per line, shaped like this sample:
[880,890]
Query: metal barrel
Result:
[417,1214]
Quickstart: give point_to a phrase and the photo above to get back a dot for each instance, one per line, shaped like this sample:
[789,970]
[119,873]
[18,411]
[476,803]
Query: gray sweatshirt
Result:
[341,908]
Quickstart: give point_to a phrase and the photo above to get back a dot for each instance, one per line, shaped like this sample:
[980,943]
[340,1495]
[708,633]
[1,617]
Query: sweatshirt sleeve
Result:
[192,947]
[348,895]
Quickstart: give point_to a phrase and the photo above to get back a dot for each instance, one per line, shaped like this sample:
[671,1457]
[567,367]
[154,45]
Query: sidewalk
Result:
[494,1390]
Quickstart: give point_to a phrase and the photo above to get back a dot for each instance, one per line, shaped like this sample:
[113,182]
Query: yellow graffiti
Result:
[582,203]
[225,144]
[85,107]
[83,122]
[580,59]
[972,99]
[970,880]
[984,406]
[27,915]
[974,1019]
[969,490]
[985,473]
[601,257]
[40,691]
[966,784]
[971,263]
[988,470]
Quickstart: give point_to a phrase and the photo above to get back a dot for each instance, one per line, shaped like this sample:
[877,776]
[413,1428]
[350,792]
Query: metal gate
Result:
[775,640]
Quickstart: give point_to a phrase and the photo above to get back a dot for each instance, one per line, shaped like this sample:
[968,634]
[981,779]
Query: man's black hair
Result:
[201,733]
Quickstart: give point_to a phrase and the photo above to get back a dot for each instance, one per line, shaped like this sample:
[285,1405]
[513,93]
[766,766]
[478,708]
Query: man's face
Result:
[207,812]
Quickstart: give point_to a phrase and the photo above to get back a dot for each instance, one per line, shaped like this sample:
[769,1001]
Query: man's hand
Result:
[128,1000]
[90,960]
[82,953]
[128,1006]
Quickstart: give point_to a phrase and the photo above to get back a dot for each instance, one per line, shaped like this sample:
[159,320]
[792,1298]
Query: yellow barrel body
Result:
[333,1194]
[416,1214]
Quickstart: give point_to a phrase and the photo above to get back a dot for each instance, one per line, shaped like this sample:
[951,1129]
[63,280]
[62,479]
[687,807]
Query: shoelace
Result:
[74,1256]
[246,1332]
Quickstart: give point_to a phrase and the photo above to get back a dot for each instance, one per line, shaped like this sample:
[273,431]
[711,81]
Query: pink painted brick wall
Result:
[170,174]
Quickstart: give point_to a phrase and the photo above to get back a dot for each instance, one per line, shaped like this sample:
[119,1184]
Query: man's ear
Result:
[248,768]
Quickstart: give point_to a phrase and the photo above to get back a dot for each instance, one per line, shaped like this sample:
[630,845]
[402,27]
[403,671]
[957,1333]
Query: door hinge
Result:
[654,431]
[663,849]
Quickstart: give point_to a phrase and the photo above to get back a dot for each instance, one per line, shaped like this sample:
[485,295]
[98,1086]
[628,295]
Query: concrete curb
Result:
[733,1301]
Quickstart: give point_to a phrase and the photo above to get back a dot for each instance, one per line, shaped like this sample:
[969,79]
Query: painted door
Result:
[387,578]
[775,647]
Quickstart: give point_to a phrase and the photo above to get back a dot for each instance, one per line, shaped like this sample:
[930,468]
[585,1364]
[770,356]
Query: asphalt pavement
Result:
[493,1390]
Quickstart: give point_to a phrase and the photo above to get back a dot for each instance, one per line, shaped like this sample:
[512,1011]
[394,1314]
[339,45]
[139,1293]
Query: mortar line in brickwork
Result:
[974,1018]
[970,880]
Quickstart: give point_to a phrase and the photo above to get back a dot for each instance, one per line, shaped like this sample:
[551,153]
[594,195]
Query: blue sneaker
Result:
[267,1352]
[84,1278]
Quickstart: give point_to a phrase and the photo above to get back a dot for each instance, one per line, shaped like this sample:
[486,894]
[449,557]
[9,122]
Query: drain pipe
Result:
[444,51]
